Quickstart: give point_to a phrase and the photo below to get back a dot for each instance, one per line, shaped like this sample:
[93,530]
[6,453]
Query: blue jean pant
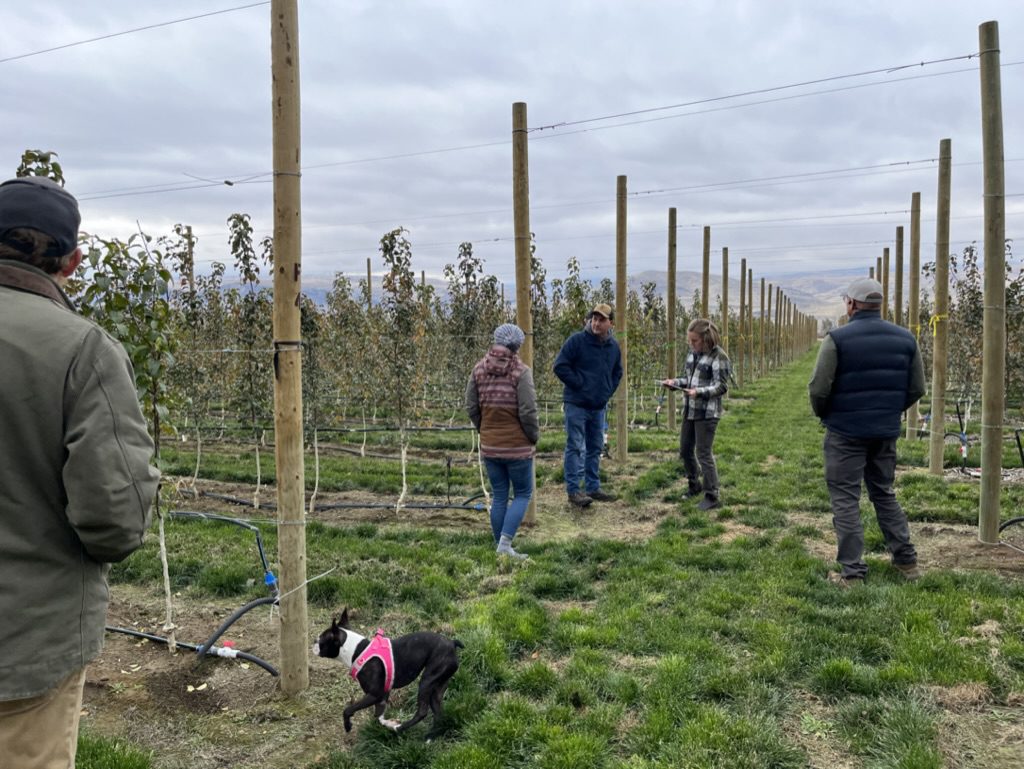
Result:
[584,440]
[506,474]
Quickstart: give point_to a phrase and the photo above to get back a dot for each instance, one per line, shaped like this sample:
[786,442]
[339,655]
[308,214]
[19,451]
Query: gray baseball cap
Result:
[864,290]
[38,203]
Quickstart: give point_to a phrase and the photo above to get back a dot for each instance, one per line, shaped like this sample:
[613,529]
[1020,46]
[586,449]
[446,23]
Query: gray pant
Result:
[695,441]
[873,460]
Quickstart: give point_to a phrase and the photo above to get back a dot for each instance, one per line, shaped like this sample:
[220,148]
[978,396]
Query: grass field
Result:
[641,634]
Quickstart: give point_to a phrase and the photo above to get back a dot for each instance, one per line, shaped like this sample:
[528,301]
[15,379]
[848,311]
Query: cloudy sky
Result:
[794,128]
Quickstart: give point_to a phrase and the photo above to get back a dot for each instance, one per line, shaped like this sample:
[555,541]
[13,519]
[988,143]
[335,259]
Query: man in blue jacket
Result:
[590,367]
[869,371]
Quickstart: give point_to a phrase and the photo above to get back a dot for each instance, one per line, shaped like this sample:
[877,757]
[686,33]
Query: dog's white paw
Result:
[393,725]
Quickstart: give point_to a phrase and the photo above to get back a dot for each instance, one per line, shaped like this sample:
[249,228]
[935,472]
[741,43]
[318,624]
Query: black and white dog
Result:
[381,665]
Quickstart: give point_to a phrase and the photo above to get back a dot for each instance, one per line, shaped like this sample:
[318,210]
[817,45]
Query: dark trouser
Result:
[695,441]
[847,462]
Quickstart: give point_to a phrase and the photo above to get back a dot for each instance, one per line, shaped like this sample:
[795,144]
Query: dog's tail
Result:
[458,643]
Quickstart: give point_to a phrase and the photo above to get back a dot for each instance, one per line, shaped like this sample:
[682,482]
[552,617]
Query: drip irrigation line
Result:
[210,646]
[268,576]
[218,651]
[271,506]
[391,506]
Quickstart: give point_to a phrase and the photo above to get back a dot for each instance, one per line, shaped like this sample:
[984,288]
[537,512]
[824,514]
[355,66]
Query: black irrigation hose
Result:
[203,649]
[1011,522]
[210,647]
[193,647]
[268,576]
[270,506]
[391,505]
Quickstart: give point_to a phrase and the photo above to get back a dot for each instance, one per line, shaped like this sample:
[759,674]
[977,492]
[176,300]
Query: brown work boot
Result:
[844,583]
[909,571]
[600,496]
[709,503]
[579,499]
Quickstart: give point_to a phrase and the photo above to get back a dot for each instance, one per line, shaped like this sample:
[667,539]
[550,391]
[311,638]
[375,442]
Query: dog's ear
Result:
[343,619]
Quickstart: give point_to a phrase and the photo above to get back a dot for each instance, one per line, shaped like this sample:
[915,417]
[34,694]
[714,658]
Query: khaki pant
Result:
[42,732]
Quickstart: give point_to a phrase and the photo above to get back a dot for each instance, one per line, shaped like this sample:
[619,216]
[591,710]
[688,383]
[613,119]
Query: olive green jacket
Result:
[76,482]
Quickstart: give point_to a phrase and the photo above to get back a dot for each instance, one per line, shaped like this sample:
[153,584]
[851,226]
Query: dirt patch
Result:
[946,546]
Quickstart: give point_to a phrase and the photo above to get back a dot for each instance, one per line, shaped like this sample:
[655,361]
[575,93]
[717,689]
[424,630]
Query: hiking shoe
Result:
[844,583]
[909,571]
[579,499]
[510,553]
[709,503]
[694,490]
[600,496]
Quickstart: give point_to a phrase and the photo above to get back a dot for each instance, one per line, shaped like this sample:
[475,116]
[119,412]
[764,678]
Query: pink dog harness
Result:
[379,648]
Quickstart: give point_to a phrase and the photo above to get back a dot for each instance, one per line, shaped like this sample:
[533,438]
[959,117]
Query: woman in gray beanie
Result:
[502,405]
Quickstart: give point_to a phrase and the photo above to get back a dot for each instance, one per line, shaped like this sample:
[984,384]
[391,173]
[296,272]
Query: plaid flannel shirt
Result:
[709,373]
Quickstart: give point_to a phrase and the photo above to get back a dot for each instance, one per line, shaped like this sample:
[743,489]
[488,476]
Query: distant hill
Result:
[815,294]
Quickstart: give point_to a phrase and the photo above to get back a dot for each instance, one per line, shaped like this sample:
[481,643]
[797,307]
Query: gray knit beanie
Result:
[509,335]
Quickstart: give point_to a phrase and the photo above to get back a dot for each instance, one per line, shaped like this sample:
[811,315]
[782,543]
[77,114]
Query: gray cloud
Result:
[383,80]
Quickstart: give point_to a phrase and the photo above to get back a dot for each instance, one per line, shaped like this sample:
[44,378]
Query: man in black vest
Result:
[869,371]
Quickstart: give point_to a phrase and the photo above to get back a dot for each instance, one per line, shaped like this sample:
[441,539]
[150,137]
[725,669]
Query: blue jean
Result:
[506,474]
[584,440]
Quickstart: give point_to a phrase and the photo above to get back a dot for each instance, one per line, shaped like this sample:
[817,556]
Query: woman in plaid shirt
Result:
[704,382]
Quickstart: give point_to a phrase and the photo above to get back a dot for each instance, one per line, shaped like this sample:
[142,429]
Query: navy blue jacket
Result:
[876,373]
[590,368]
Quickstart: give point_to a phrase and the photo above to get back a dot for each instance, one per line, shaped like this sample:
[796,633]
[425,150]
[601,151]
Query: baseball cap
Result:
[603,310]
[38,203]
[864,290]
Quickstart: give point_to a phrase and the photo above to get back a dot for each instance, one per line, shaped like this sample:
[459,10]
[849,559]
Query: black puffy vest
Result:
[873,366]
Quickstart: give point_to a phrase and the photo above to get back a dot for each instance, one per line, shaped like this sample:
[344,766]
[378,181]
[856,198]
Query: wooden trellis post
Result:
[993,370]
[939,321]
[521,225]
[914,291]
[621,322]
[705,283]
[291,532]
[670,372]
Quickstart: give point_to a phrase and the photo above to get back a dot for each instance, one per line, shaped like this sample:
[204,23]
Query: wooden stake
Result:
[725,299]
[939,321]
[914,295]
[671,368]
[705,283]
[993,370]
[885,284]
[291,532]
[762,368]
[524,270]
[897,314]
[621,322]
[740,346]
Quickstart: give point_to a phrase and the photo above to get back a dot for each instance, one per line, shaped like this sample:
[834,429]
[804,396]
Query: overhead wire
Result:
[755,92]
[131,31]
[259,175]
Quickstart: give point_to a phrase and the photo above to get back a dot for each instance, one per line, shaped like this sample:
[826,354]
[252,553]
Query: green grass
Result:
[686,649]
[96,752]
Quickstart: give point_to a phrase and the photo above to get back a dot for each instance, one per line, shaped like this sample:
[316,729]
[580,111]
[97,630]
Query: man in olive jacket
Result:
[76,482]
[869,371]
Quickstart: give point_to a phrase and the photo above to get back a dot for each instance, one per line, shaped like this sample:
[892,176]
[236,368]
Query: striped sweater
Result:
[502,405]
